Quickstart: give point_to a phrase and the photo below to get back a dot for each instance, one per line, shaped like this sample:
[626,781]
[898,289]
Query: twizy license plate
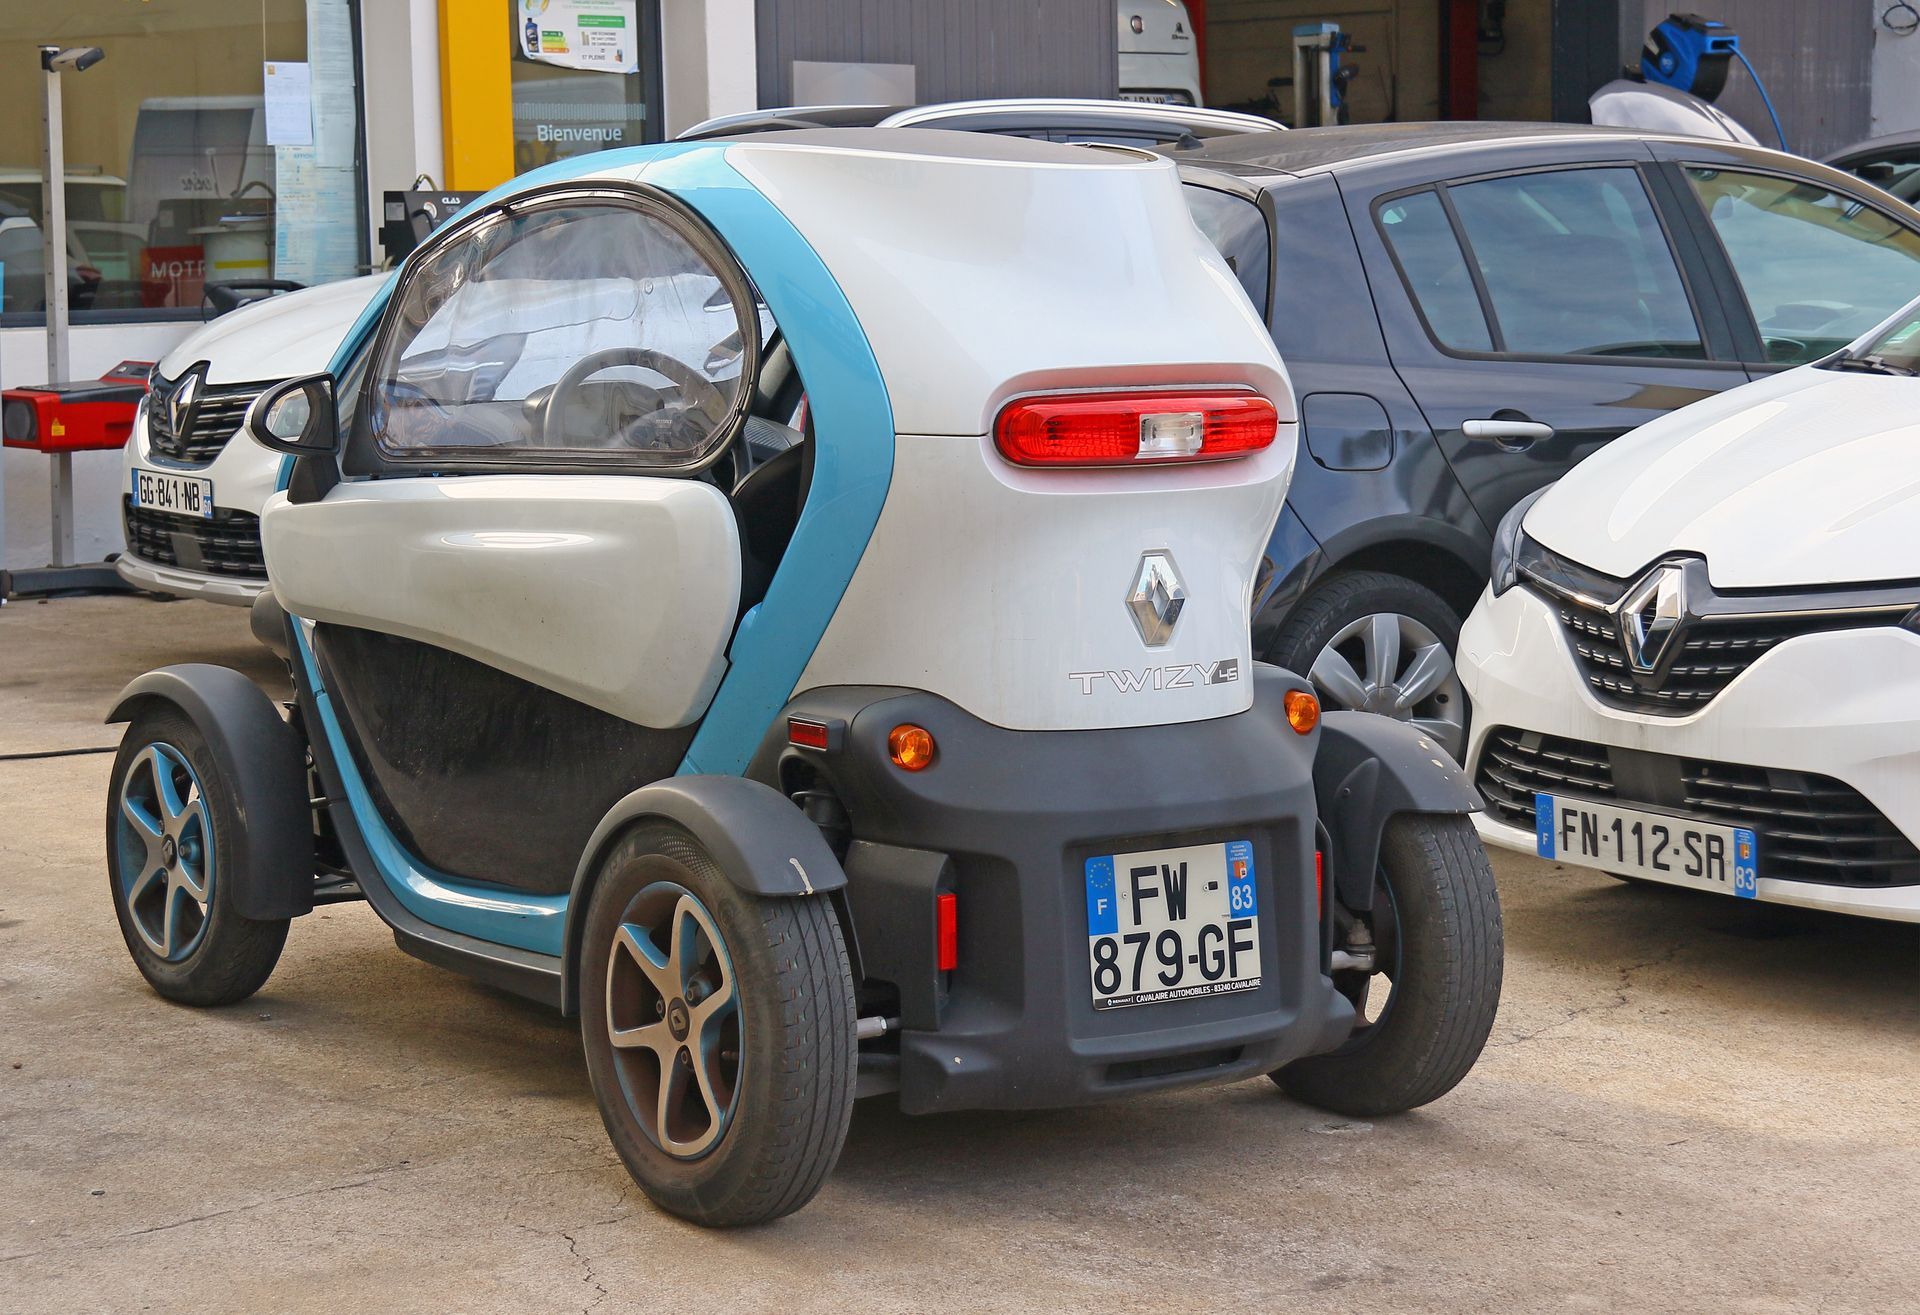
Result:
[1657,846]
[1172,924]
[183,495]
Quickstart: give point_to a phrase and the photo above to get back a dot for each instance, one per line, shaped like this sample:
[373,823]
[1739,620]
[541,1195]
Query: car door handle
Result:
[1514,435]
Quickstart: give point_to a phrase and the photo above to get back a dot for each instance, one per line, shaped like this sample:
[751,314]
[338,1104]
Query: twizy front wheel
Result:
[1425,1007]
[719,1031]
[171,823]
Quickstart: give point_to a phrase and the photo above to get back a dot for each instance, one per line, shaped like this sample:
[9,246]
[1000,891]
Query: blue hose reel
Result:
[1691,54]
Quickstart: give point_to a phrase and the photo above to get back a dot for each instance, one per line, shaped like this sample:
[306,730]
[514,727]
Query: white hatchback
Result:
[1697,662]
[190,500]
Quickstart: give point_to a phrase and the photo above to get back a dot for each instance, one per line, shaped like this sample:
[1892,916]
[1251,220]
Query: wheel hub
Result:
[677,1019]
[169,852]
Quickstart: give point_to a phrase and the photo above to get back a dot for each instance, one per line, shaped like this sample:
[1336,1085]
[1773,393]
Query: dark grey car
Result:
[1468,309]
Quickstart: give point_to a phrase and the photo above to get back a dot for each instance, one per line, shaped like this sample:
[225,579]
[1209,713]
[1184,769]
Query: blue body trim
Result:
[853,468]
[505,917]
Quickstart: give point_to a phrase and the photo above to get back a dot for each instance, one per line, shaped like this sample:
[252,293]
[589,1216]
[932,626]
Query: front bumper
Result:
[143,574]
[1005,820]
[1843,705]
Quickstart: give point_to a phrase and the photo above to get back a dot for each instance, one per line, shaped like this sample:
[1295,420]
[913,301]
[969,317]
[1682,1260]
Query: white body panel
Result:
[282,337]
[1844,705]
[1810,477]
[983,267]
[617,591]
[1004,589]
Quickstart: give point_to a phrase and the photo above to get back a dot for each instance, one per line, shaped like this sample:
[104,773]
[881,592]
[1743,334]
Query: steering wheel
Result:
[701,395]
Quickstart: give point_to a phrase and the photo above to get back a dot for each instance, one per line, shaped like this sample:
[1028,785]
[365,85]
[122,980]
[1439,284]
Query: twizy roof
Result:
[979,266]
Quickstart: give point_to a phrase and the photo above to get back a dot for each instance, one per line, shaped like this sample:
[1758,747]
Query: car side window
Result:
[1818,268]
[1435,270]
[1238,232]
[1575,263]
[579,332]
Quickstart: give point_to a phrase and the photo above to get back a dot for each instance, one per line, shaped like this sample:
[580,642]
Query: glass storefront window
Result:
[586,77]
[177,175]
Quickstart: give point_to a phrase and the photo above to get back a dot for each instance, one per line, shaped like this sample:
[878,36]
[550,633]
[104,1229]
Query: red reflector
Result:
[946,917]
[806,734]
[1125,429]
[1320,879]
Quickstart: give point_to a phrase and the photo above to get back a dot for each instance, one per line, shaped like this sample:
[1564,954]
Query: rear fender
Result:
[264,762]
[763,844]
[1368,770]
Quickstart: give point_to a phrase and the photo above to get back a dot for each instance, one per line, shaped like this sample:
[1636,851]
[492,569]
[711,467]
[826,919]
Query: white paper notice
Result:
[289,95]
[602,35]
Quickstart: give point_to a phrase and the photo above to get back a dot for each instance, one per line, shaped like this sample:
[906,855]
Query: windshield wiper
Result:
[1870,365]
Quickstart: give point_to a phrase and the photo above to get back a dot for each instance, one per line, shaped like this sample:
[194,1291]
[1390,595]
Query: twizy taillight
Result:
[1126,429]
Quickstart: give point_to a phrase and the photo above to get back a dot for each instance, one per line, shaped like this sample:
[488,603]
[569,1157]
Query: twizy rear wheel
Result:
[1425,1009]
[719,1031]
[170,864]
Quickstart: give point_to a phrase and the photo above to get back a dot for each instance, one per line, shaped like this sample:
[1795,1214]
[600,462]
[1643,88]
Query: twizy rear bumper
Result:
[1005,821]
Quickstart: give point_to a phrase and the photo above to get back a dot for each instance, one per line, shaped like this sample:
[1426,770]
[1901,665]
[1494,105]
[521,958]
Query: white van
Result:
[1159,52]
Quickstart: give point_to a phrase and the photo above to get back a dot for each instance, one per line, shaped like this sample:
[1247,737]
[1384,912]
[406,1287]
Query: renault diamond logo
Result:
[1650,615]
[186,400]
[1157,598]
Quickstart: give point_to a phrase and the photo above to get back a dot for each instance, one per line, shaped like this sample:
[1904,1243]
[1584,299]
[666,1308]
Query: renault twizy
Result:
[785,601]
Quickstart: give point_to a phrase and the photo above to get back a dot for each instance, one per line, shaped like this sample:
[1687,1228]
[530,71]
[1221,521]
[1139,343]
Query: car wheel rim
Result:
[165,837]
[1393,665]
[673,1019]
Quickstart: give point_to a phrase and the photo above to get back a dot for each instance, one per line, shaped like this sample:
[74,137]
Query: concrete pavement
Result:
[1688,1104]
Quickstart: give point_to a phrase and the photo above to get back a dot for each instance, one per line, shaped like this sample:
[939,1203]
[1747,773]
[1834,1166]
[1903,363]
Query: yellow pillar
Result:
[476,94]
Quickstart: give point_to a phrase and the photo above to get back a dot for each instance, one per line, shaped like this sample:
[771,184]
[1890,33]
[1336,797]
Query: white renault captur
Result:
[190,501]
[1697,661]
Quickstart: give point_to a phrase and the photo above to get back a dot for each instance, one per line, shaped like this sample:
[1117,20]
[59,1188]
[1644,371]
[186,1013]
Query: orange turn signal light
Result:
[1303,710]
[910,747]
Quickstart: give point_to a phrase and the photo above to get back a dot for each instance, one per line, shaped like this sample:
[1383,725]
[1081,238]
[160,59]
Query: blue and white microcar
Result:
[785,601]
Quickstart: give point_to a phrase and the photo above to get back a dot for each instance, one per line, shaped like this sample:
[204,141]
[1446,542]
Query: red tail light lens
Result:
[1127,429]
[947,933]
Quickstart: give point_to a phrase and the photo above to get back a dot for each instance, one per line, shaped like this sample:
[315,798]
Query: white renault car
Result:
[1697,661]
[190,501]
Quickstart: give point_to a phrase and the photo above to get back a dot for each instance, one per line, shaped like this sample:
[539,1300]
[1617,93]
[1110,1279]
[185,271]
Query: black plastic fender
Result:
[764,844]
[1368,769]
[264,762]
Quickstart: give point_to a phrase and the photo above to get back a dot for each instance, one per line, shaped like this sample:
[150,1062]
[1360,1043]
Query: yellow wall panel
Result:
[476,94]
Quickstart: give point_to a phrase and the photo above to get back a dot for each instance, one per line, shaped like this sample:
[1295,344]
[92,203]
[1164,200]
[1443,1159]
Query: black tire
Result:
[209,954]
[1347,597]
[789,1092]
[1446,978]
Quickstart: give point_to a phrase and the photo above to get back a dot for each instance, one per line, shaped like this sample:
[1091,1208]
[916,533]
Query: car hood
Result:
[282,337]
[1810,477]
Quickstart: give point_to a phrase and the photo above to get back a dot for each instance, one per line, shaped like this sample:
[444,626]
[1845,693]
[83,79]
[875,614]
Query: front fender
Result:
[263,760]
[1368,769]
[763,844]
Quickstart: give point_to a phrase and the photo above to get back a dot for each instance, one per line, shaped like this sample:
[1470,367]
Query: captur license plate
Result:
[1657,846]
[1172,924]
[183,495]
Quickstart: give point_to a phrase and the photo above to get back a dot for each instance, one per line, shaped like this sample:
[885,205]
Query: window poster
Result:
[602,36]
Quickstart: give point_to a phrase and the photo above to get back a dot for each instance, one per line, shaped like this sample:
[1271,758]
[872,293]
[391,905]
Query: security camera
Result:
[76,59]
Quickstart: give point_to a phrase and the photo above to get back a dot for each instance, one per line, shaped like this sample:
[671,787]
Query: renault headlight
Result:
[1506,543]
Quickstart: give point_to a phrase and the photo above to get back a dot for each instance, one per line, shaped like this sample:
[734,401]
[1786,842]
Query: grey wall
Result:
[961,49]
[1815,56]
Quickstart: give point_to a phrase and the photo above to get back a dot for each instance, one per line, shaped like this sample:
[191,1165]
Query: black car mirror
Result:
[296,417]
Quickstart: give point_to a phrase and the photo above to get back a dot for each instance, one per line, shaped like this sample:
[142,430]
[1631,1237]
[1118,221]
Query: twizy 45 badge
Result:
[1155,603]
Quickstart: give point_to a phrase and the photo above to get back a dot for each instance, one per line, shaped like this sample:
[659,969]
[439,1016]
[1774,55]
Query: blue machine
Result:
[1691,54]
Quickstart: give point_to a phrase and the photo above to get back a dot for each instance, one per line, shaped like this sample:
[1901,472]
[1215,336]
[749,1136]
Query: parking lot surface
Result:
[1688,1103]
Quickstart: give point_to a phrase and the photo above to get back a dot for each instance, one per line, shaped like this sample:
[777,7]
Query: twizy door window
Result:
[578,333]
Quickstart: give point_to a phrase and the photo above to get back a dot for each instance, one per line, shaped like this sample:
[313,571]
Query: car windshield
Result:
[1895,351]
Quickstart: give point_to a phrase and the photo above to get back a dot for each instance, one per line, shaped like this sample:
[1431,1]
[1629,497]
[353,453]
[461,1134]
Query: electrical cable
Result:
[1905,27]
[54,753]
[1765,99]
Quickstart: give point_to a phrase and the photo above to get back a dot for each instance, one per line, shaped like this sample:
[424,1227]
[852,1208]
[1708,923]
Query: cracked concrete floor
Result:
[1688,1104]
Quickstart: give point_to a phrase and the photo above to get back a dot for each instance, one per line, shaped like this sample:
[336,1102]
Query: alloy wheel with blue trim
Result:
[718,1026]
[166,852]
[171,830]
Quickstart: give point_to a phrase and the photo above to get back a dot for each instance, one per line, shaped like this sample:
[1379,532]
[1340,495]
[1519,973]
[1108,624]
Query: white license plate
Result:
[1657,846]
[183,495]
[1172,924]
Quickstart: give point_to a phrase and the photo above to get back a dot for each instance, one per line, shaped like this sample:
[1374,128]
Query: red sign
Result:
[172,276]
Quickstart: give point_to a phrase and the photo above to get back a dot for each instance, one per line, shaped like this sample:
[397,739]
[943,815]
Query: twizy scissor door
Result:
[524,587]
